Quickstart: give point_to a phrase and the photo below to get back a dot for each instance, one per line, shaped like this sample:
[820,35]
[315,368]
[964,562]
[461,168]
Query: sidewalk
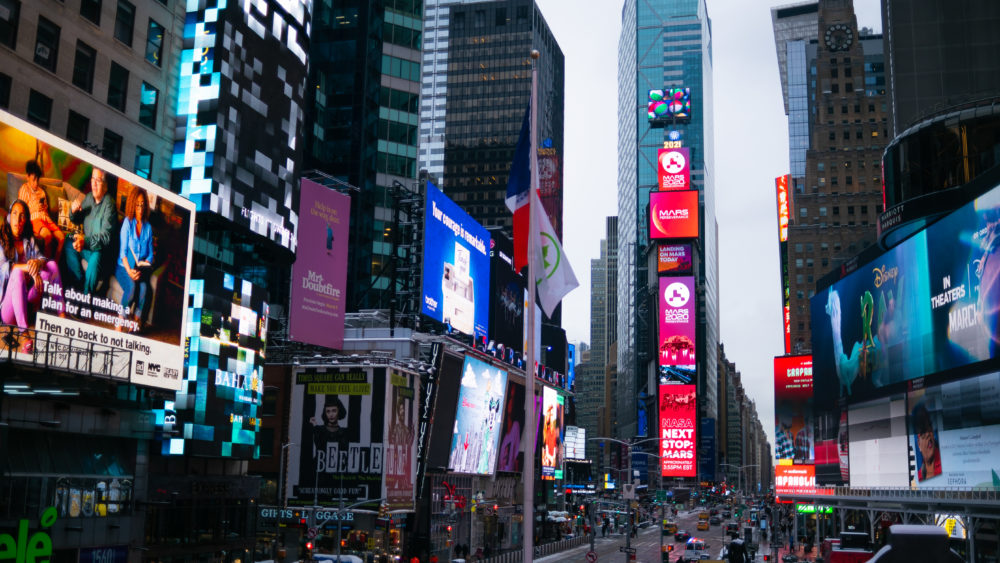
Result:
[782,551]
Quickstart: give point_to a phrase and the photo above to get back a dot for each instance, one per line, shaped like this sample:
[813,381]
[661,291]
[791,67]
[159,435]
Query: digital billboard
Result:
[673,259]
[550,187]
[319,275]
[337,419]
[506,297]
[98,281]
[553,404]
[954,433]
[669,104]
[217,408]
[402,391]
[879,455]
[477,423]
[673,168]
[928,305]
[706,450]
[793,416]
[576,442]
[673,214]
[442,428]
[456,274]
[238,137]
[781,185]
[795,480]
[677,307]
[678,412]
[510,457]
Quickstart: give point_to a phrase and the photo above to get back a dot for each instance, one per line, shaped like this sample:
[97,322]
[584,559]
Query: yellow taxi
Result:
[669,527]
[703,525]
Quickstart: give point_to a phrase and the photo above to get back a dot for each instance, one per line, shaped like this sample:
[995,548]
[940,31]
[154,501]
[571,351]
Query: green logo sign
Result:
[24,549]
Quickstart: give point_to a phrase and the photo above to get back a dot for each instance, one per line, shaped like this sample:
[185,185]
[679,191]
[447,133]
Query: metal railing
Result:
[62,353]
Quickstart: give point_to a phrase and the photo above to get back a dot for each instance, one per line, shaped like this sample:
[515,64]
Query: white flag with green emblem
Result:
[554,277]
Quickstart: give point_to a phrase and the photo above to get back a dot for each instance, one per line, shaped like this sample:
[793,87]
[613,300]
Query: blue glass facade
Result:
[663,43]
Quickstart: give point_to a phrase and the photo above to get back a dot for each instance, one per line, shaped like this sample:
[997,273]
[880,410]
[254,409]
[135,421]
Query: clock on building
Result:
[839,37]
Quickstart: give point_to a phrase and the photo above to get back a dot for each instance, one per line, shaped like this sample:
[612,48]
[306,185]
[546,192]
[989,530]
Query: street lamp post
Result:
[739,471]
[282,499]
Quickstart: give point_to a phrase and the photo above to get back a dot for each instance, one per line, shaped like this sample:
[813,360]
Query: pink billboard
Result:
[678,410]
[673,214]
[673,258]
[677,316]
[319,275]
[673,168]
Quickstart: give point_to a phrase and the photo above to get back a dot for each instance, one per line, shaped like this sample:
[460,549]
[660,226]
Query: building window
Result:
[47,44]
[803,212]
[4,90]
[269,403]
[125,22]
[835,88]
[849,87]
[83,66]
[798,247]
[39,109]
[500,18]
[154,42]
[829,110]
[266,441]
[11,11]
[833,72]
[825,262]
[148,101]
[833,135]
[143,162]
[864,209]
[111,148]
[77,127]
[843,108]
[849,181]
[91,9]
[834,180]
[798,262]
[836,210]
[822,212]
[118,87]
[821,166]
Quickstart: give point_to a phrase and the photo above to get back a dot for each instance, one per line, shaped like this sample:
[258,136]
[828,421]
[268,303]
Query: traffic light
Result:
[308,550]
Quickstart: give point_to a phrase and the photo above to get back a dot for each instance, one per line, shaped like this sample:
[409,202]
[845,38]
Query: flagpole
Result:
[528,476]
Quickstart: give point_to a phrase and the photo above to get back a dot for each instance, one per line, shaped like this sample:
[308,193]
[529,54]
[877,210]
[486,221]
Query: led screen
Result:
[510,457]
[929,304]
[673,214]
[477,424]
[319,275]
[793,418]
[781,185]
[456,284]
[552,433]
[337,419]
[241,99]
[673,259]
[954,433]
[678,412]
[402,389]
[506,298]
[576,442]
[449,386]
[879,455]
[677,306]
[706,449]
[795,480]
[217,408]
[83,296]
[669,104]
[673,168]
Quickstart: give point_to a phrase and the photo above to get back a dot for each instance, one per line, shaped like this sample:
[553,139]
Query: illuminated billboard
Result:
[669,104]
[83,210]
[506,298]
[456,280]
[237,143]
[550,187]
[337,419]
[673,259]
[795,480]
[677,312]
[319,275]
[477,423]
[402,390]
[793,418]
[678,412]
[954,433]
[673,214]
[553,404]
[879,455]
[510,457]
[576,442]
[673,168]
[217,408]
[781,183]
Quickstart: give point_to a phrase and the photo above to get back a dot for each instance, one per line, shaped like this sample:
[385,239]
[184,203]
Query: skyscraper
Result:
[663,44]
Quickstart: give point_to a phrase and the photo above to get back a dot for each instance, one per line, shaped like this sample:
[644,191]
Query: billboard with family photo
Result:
[92,252]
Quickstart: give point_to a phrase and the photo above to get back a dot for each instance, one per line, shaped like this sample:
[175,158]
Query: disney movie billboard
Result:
[477,423]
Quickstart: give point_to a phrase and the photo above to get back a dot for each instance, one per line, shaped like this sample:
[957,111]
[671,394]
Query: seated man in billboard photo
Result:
[48,233]
[925,438]
[135,261]
[96,216]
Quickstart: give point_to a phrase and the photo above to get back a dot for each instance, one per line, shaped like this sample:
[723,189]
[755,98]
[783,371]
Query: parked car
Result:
[682,535]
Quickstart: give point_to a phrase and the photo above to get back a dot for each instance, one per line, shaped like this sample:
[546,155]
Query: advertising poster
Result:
[506,298]
[337,418]
[443,423]
[402,390]
[319,275]
[99,284]
[793,417]
[673,259]
[795,480]
[678,412]
[706,450]
[476,437]
[429,383]
[553,404]
[456,284]
[576,442]
[669,104]
[511,458]
[955,433]
[217,408]
[781,185]
[673,214]
[673,168]
[879,455]
[677,321]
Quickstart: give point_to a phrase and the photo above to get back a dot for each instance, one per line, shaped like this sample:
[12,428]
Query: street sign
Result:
[311,533]
[624,549]
[591,557]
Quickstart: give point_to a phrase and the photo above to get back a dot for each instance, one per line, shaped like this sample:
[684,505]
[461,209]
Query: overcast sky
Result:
[751,149]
